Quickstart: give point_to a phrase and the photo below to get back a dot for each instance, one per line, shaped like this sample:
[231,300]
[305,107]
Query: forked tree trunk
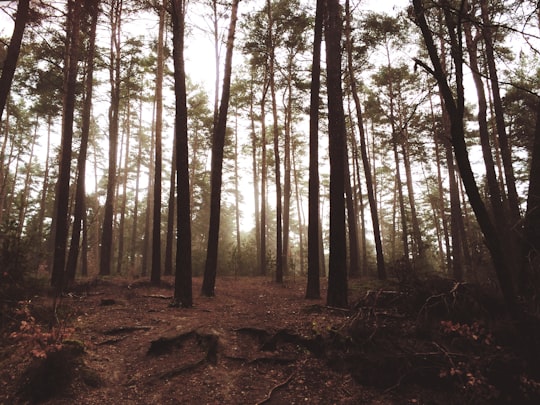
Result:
[455,107]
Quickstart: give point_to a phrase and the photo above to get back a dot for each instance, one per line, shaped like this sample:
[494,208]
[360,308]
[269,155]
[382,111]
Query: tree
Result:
[62,193]
[156,229]
[454,105]
[10,62]
[313,282]
[115,18]
[183,284]
[217,163]
[79,215]
[370,186]
[337,271]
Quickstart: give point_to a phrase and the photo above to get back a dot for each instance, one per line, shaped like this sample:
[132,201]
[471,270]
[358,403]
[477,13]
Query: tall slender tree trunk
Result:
[255,172]
[147,245]
[337,271]
[3,175]
[495,197]
[218,144]
[155,276]
[45,187]
[287,177]
[264,181]
[301,215]
[12,55]
[354,258]
[124,182]
[183,295]
[92,7]
[171,211]
[114,109]
[370,186]
[314,252]
[238,261]
[515,215]
[62,192]
[455,107]
[275,132]
[134,230]
[23,204]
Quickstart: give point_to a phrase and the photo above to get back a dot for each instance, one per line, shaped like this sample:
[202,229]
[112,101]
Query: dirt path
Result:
[256,342]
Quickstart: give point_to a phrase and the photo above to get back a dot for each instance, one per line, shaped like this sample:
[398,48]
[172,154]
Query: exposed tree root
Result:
[274,388]
[209,343]
[182,369]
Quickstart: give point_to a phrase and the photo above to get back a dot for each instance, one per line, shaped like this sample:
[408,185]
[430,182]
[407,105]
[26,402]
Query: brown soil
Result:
[256,342]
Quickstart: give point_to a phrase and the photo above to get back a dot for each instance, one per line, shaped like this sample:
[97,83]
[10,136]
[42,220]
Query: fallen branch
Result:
[125,329]
[274,388]
[160,296]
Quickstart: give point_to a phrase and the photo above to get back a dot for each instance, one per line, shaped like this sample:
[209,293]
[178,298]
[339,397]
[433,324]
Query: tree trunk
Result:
[455,108]
[155,275]
[218,144]
[171,211]
[287,175]
[183,295]
[515,215]
[354,262]
[238,260]
[313,280]
[134,251]
[62,192]
[80,193]
[114,108]
[264,181]
[12,55]
[24,194]
[337,272]
[256,193]
[381,271]
[124,181]
[275,132]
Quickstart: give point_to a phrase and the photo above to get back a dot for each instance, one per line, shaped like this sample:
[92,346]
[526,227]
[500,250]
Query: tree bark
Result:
[455,108]
[62,193]
[10,63]
[337,272]
[183,295]
[155,274]
[218,144]
[381,270]
[114,108]
[80,193]
[313,280]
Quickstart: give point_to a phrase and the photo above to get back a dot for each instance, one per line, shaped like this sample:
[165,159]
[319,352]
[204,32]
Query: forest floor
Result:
[257,342]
